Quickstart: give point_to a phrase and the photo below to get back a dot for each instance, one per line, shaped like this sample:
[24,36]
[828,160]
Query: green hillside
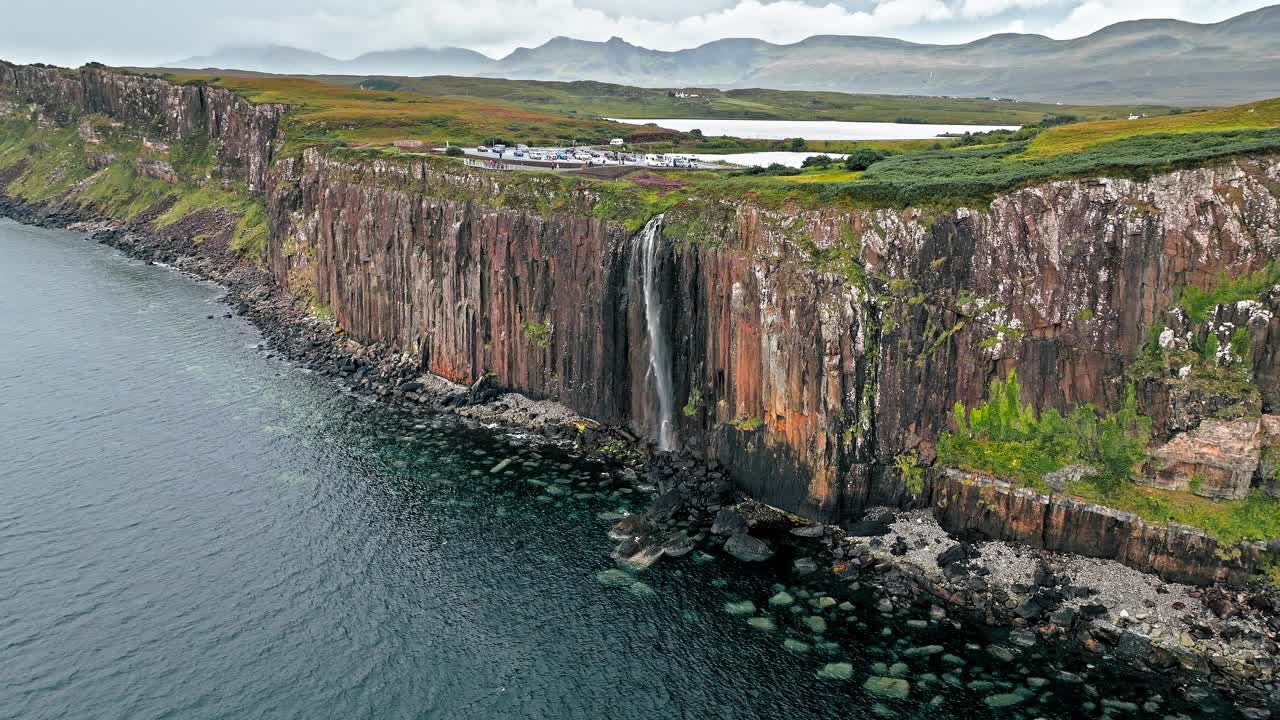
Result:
[598,99]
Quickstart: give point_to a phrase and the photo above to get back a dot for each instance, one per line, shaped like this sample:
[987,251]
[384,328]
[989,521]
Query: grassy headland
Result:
[337,115]
[58,164]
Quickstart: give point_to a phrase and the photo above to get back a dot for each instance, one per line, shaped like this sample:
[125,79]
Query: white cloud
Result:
[1090,16]
[1093,15]
[153,31]
[989,8]
[498,26]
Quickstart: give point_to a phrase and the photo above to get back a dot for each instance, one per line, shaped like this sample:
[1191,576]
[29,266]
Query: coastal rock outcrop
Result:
[244,133]
[967,502]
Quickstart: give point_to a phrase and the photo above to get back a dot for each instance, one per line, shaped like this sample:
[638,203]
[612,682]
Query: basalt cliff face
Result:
[244,132]
[809,348]
[807,382]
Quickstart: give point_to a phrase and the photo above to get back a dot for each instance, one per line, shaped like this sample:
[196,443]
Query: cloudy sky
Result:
[149,32]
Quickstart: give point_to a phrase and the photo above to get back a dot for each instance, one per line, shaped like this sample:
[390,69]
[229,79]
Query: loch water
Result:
[190,529]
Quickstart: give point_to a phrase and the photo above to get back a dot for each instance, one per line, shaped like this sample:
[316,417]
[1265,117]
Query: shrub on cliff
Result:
[1229,290]
[1006,438]
[863,158]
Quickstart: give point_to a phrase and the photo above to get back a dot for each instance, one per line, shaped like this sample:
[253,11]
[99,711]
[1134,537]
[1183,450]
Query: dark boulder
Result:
[1093,610]
[728,522]
[664,507]
[747,548]
[678,544]
[867,528]
[959,552]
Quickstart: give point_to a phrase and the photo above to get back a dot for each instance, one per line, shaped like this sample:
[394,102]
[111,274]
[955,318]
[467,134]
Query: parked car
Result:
[482,149]
[518,153]
[562,156]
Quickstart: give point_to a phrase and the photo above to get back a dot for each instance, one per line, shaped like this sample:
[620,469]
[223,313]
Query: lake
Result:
[760,159]
[189,529]
[813,129]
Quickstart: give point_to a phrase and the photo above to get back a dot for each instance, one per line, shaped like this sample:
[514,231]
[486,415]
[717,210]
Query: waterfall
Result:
[659,351]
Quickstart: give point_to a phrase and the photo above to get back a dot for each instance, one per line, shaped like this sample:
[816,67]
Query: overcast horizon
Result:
[152,33]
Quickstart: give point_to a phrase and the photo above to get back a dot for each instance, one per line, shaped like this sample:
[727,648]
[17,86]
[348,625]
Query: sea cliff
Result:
[809,348]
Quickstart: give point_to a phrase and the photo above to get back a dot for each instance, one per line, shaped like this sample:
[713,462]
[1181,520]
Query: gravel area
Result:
[1165,613]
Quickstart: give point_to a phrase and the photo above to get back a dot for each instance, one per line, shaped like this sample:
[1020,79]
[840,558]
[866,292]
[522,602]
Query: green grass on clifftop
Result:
[337,115]
[1256,518]
[57,165]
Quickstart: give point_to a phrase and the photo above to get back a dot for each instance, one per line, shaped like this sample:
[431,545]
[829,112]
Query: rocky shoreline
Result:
[1093,606]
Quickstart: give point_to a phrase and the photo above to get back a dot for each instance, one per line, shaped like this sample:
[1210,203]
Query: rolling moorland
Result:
[369,121]
[607,100]
[590,99]
[1160,62]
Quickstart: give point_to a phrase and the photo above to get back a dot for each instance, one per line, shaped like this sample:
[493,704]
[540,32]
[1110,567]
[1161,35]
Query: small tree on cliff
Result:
[1004,437]
[862,158]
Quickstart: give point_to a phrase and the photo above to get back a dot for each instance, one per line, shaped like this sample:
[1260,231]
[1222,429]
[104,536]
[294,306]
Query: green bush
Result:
[454,151]
[1006,438]
[862,158]
[820,161]
[773,170]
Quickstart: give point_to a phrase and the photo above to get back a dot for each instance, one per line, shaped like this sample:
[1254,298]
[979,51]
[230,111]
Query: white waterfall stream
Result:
[659,351]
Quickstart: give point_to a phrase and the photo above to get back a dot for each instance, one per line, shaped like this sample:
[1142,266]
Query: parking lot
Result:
[577,157]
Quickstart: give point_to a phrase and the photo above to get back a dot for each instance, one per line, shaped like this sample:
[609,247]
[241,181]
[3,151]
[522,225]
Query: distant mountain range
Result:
[292,61]
[1143,61]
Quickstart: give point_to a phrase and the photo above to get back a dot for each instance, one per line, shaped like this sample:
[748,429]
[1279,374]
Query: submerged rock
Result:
[816,623]
[889,687]
[782,599]
[836,671]
[1004,700]
[746,607]
[613,577]
[642,589]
